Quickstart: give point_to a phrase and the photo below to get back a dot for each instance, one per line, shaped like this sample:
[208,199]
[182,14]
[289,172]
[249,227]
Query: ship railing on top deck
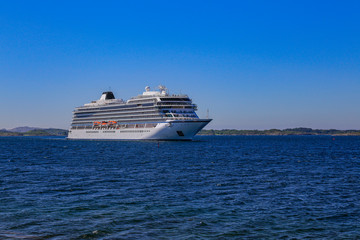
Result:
[175,103]
[179,95]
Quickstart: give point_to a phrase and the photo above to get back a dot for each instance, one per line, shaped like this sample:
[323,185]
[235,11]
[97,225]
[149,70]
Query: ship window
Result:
[180,133]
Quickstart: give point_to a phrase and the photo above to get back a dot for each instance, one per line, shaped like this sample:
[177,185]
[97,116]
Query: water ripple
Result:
[211,188]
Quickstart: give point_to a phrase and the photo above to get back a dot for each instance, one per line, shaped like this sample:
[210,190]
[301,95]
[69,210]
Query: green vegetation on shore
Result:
[288,131]
[36,132]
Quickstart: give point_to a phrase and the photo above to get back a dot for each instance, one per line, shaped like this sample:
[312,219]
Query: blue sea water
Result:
[216,187]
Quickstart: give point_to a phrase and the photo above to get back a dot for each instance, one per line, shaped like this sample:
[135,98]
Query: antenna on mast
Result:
[163,90]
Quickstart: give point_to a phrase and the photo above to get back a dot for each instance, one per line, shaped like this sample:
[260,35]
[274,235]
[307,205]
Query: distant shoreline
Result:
[35,132]
[278,132]
[211,132]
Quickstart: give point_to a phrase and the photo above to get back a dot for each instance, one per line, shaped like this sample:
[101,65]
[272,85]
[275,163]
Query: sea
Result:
[215,187]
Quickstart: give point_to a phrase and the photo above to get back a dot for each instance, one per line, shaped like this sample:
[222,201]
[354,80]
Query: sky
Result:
[253,64]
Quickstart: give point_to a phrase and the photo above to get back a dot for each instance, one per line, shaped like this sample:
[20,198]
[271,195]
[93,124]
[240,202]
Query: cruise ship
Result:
[153,115]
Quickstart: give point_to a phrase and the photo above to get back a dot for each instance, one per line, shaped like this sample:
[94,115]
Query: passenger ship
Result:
[154,115]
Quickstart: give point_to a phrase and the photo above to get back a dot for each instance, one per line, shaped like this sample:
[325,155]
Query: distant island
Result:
[284,132]
[32,131]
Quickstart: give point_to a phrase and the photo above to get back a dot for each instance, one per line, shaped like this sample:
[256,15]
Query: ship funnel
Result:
[107,96]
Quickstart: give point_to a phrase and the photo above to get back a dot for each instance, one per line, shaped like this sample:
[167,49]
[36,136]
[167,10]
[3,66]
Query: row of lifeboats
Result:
[104,123]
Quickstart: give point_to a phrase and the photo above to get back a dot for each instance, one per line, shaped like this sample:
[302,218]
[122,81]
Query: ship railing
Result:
[174,103]
[180,118]
[117,126]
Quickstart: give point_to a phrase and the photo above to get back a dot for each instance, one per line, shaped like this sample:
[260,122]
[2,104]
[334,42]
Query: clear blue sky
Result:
[253,64]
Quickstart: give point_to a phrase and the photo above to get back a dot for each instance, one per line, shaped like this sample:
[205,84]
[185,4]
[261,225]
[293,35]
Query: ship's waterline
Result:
[154,115]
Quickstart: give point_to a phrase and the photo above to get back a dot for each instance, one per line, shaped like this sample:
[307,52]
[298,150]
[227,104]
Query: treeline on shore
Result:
[288,131]
[36,132]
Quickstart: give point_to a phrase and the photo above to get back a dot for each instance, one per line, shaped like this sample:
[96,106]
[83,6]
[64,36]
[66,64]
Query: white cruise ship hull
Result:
[169,130]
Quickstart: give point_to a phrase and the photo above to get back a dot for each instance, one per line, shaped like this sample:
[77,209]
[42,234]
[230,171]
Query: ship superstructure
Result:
[153,115]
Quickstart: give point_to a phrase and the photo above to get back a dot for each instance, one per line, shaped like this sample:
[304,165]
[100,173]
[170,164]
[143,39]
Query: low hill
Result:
[22,129]
[4,132]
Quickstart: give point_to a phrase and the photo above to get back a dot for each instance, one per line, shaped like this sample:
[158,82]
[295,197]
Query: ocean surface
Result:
[215,187]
